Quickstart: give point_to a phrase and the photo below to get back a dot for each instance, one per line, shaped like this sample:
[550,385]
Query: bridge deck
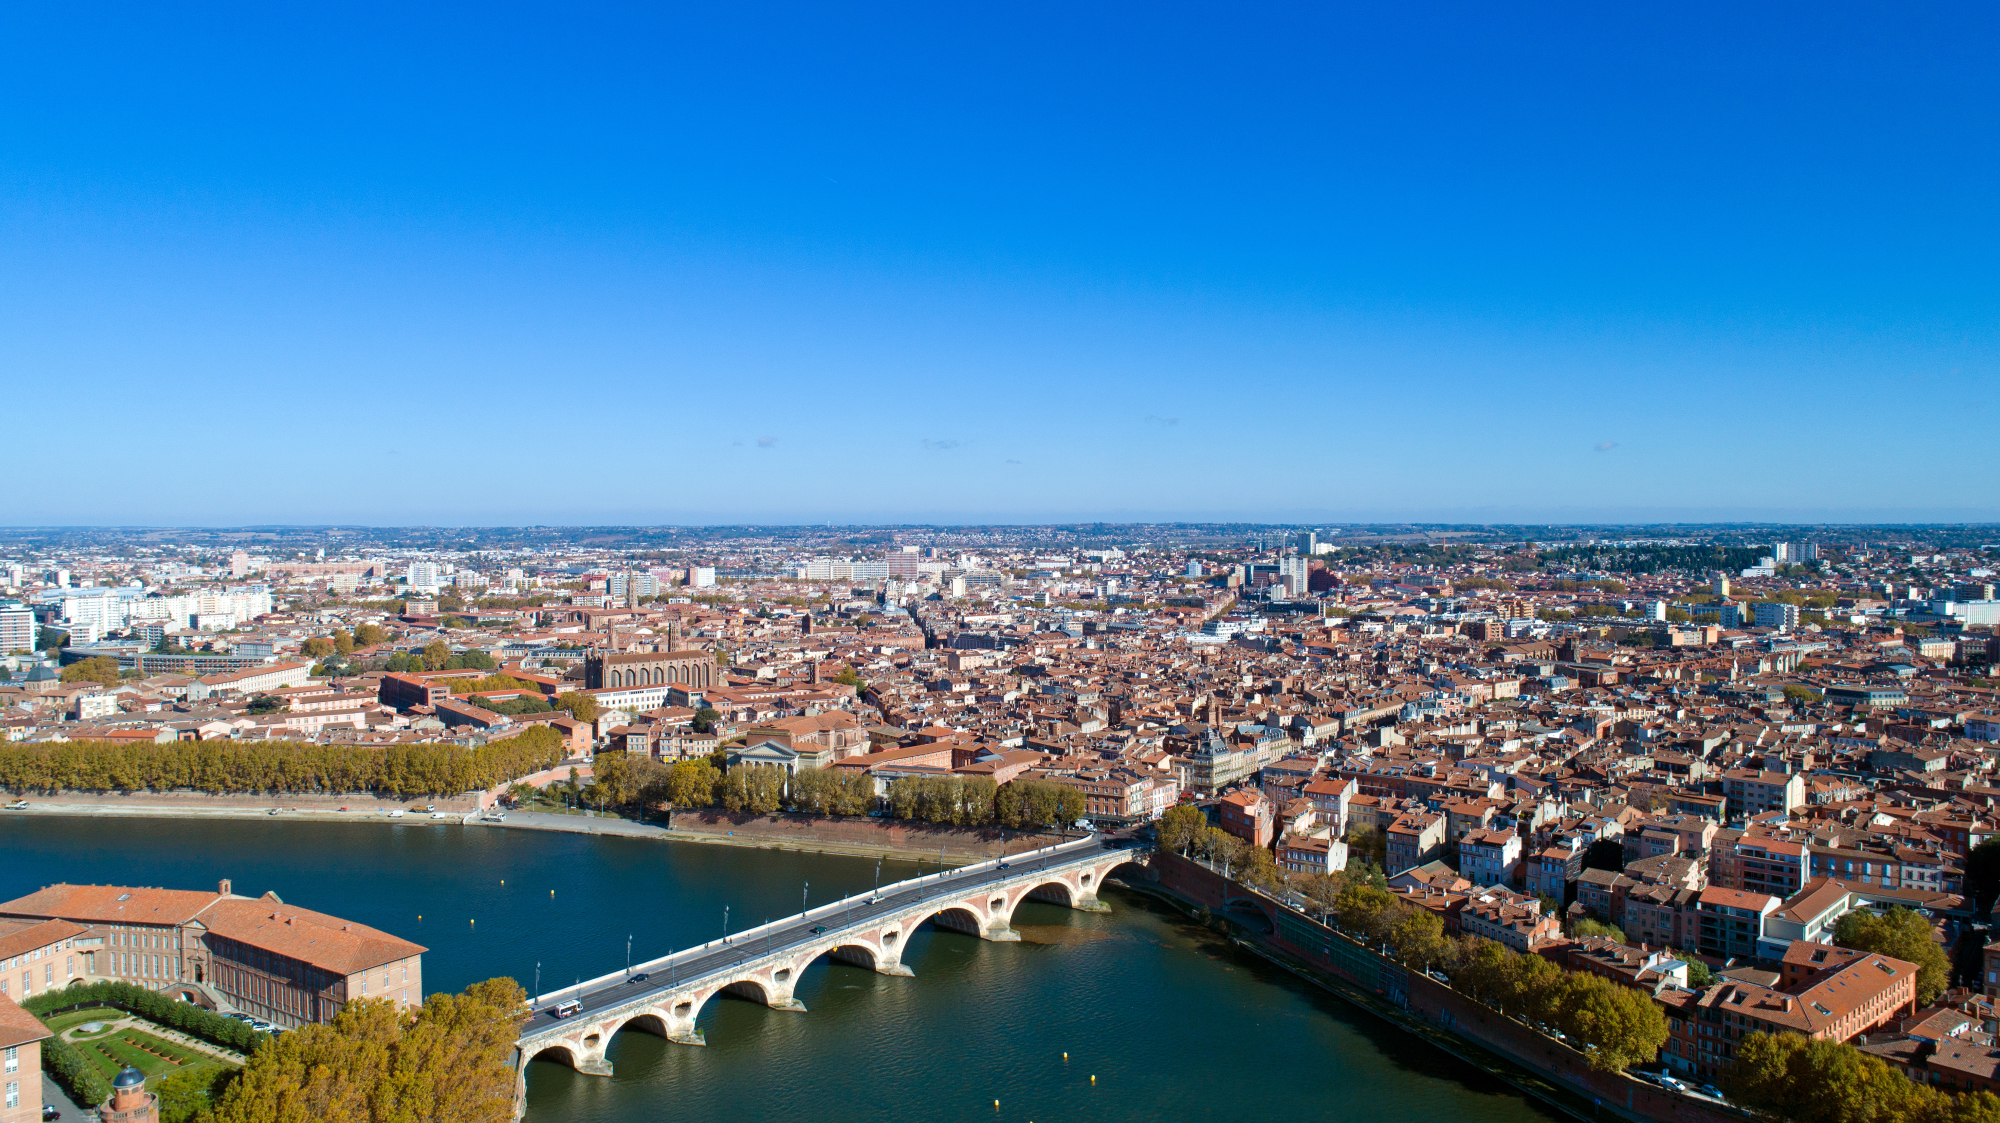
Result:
[690,967]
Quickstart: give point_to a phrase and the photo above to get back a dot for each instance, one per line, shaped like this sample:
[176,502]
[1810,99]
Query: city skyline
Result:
[1129,264]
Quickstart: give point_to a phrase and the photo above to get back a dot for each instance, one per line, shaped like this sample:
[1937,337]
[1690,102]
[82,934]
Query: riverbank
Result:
[1532,1063]
[912,842]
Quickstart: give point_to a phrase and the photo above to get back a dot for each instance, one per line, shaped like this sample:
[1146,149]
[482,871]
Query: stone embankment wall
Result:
[1333,953]
[894,834]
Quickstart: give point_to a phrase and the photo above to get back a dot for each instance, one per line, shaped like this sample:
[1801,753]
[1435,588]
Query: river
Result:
[1173,1022]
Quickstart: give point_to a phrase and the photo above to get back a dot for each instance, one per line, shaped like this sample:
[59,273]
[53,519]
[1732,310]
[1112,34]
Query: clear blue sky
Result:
[585,264]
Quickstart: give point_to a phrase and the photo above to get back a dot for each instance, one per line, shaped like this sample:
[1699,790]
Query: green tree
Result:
[436,654]
[1416,936]
[705,719]
[1177,827]
[582,707]
[1900,934]
[368,635]
[317,648]
[343,641]
[826,791]
[98,668]
[1589,927]
[755,788]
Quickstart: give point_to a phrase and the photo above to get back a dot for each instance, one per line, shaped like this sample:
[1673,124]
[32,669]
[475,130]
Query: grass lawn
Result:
[143,1051]
[75,1018]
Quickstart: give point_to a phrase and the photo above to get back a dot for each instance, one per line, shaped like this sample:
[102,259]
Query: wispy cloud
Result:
[1604,446]
[1013,462]
[766,442]
[1156,419]
[943,445]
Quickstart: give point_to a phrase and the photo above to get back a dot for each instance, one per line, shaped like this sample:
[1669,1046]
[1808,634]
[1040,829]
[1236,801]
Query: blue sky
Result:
[587,264]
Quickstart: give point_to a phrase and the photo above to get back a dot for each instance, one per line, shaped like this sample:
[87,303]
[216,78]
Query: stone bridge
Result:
[763,964]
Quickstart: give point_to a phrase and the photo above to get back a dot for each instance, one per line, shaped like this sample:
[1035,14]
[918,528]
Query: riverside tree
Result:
[450,1059]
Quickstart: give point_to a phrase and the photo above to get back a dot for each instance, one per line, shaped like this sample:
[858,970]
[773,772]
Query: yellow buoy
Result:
[996,1105]
[472,922]
[1065,1056]
[1093,1078]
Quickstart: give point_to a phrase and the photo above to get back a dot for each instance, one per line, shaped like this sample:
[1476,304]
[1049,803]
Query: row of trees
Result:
[623,780]
[1620,1026]
[1799,1080]
[274,767]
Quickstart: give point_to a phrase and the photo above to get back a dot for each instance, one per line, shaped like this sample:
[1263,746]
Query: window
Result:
[13,1093]
[13,1058]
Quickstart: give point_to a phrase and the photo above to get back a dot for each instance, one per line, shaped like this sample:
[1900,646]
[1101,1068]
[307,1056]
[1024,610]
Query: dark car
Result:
[641,977]
[818,928]
[49,1112]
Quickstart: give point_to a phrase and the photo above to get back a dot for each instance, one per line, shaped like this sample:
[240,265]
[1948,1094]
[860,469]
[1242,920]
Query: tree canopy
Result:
[1899,934]
[274,766]
[450,1059]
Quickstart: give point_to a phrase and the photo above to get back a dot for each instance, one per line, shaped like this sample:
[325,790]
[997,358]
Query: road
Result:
[675,971]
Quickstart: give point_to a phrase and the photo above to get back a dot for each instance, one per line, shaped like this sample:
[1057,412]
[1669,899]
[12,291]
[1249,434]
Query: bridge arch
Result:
[853,953]
[644,1023]
[958,918]
[555,1054]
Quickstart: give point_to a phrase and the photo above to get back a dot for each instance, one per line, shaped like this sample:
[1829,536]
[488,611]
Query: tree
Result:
[582,707]
[1176,828]
[756,788]
[693,783]
[1036,803]
[1417,937]
[317,648]
[705,719]
[1589,927]
[1368,844]
[1804,1080]
[98,668]
[1626,1026]
[436,654]
[368,635]
[265,704]
[825,791]
[1900,934]
[343,641]
[449,1059]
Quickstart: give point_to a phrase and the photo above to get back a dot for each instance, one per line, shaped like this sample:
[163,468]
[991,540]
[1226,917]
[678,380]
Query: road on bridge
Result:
[681,968]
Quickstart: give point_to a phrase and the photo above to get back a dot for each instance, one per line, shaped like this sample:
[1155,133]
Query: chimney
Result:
[223,887]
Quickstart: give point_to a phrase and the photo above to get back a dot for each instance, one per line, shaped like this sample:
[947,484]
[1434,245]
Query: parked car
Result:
[18,805]
[239,1017]
[261,1026]
[49,1112]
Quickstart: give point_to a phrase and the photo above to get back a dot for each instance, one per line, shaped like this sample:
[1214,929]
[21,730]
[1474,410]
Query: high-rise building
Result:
[424,577]
[1784,617]
[1194,567]
[1720,586]
[17,628]
[239,564]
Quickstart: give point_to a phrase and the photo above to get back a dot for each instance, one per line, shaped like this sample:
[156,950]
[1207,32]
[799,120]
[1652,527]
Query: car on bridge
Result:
[568,1009]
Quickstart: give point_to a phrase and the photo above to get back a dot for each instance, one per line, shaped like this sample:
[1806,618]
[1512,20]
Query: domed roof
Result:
[41,673]
[128,1077]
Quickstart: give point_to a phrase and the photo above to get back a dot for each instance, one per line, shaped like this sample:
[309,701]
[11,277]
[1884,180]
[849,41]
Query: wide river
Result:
[1173,1023]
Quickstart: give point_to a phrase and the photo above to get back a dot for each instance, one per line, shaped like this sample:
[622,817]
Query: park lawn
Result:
[116,1051]
[63,1022]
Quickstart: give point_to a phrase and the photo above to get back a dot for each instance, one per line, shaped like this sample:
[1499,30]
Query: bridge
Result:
[664,996]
